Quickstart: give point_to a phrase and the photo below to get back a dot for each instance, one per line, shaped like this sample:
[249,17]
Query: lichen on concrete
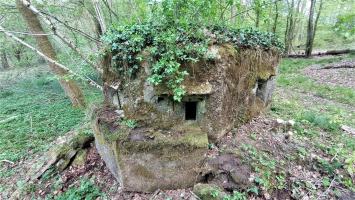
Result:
[166,147]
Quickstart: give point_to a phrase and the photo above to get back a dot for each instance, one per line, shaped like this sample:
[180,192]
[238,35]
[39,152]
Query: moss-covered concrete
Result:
[145,158]
[164,150]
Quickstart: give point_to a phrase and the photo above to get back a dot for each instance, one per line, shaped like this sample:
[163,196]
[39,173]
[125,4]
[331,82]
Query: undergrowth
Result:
[86,190]
[33,113]
[325,148]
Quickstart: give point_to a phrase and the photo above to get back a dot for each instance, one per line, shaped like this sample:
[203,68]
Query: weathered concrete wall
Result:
[145,159]
[242,86]
[164,150]
[233,87]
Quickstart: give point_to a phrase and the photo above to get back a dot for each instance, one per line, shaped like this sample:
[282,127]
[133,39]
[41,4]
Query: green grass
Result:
[86,190]
[291,77]
[41,112]
[318,123]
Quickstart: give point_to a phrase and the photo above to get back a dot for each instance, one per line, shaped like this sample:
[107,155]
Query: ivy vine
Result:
[171,45]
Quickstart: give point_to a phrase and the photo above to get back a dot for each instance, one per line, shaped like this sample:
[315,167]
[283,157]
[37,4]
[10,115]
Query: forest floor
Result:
[313,159]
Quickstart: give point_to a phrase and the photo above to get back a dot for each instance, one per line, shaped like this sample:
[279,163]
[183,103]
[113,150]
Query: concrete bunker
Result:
[149,141]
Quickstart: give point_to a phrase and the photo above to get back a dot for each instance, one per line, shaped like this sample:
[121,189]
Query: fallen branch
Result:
[8,120]
[345,64]
[326,53]
[155,194]
[325,193]
[7,161]
[348,129]
[50,60]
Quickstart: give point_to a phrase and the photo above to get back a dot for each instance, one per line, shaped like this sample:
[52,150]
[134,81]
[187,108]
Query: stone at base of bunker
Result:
[227,171]
[144,159]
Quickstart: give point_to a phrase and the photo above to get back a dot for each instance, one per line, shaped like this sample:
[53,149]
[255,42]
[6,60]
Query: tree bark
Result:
[310,29]
[316,22]
[276,17]
[233,13]
[109,78]
[48,59]
[326,53]
[61,36]
[69,86]
[4,61]
[257,21]
[290,26]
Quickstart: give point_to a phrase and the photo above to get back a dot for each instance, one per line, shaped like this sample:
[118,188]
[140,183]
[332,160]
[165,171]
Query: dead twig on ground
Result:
[8,119]
[7,161]
[155,194]
[327,190]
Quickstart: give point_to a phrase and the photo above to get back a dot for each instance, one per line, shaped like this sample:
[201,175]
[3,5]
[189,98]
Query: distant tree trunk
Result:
[310,30]
[70,87]
[108,77]
[276,17]
[257,9]
[316,22]
[233,13]
[17,54]
[18,49]
[298,25]
[4,61]
[289,32]
[257,21]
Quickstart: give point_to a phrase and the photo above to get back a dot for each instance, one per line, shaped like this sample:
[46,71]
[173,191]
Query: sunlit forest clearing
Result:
[176,99]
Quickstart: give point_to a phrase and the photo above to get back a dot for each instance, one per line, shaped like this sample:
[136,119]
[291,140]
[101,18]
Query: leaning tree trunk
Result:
[70,87]
[4,61]
[309,44]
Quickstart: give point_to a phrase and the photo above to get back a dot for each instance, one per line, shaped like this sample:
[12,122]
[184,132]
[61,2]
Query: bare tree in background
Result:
[312,26]
[291,21]
[70,87]
[4,61]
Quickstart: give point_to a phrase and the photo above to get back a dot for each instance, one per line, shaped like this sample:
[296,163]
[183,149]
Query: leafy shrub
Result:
[320,120]
[6,93]
[87,190]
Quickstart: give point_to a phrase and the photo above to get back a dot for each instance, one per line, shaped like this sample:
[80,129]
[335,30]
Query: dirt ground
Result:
[336,77]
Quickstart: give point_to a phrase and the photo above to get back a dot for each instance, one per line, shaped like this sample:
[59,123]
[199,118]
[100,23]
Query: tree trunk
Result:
[276,18]
[290,26]
[109,78]
[4,61]
[310,29]
[257,21]
[70,87]
[316,22]
[233,13]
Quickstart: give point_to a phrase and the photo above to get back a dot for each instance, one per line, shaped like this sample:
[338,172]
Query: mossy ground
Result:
[41,112]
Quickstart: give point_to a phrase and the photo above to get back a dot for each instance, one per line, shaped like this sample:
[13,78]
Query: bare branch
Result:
[27,33]
[58,34]
[71,28]
[99,15]
[110,9]
[50,60]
